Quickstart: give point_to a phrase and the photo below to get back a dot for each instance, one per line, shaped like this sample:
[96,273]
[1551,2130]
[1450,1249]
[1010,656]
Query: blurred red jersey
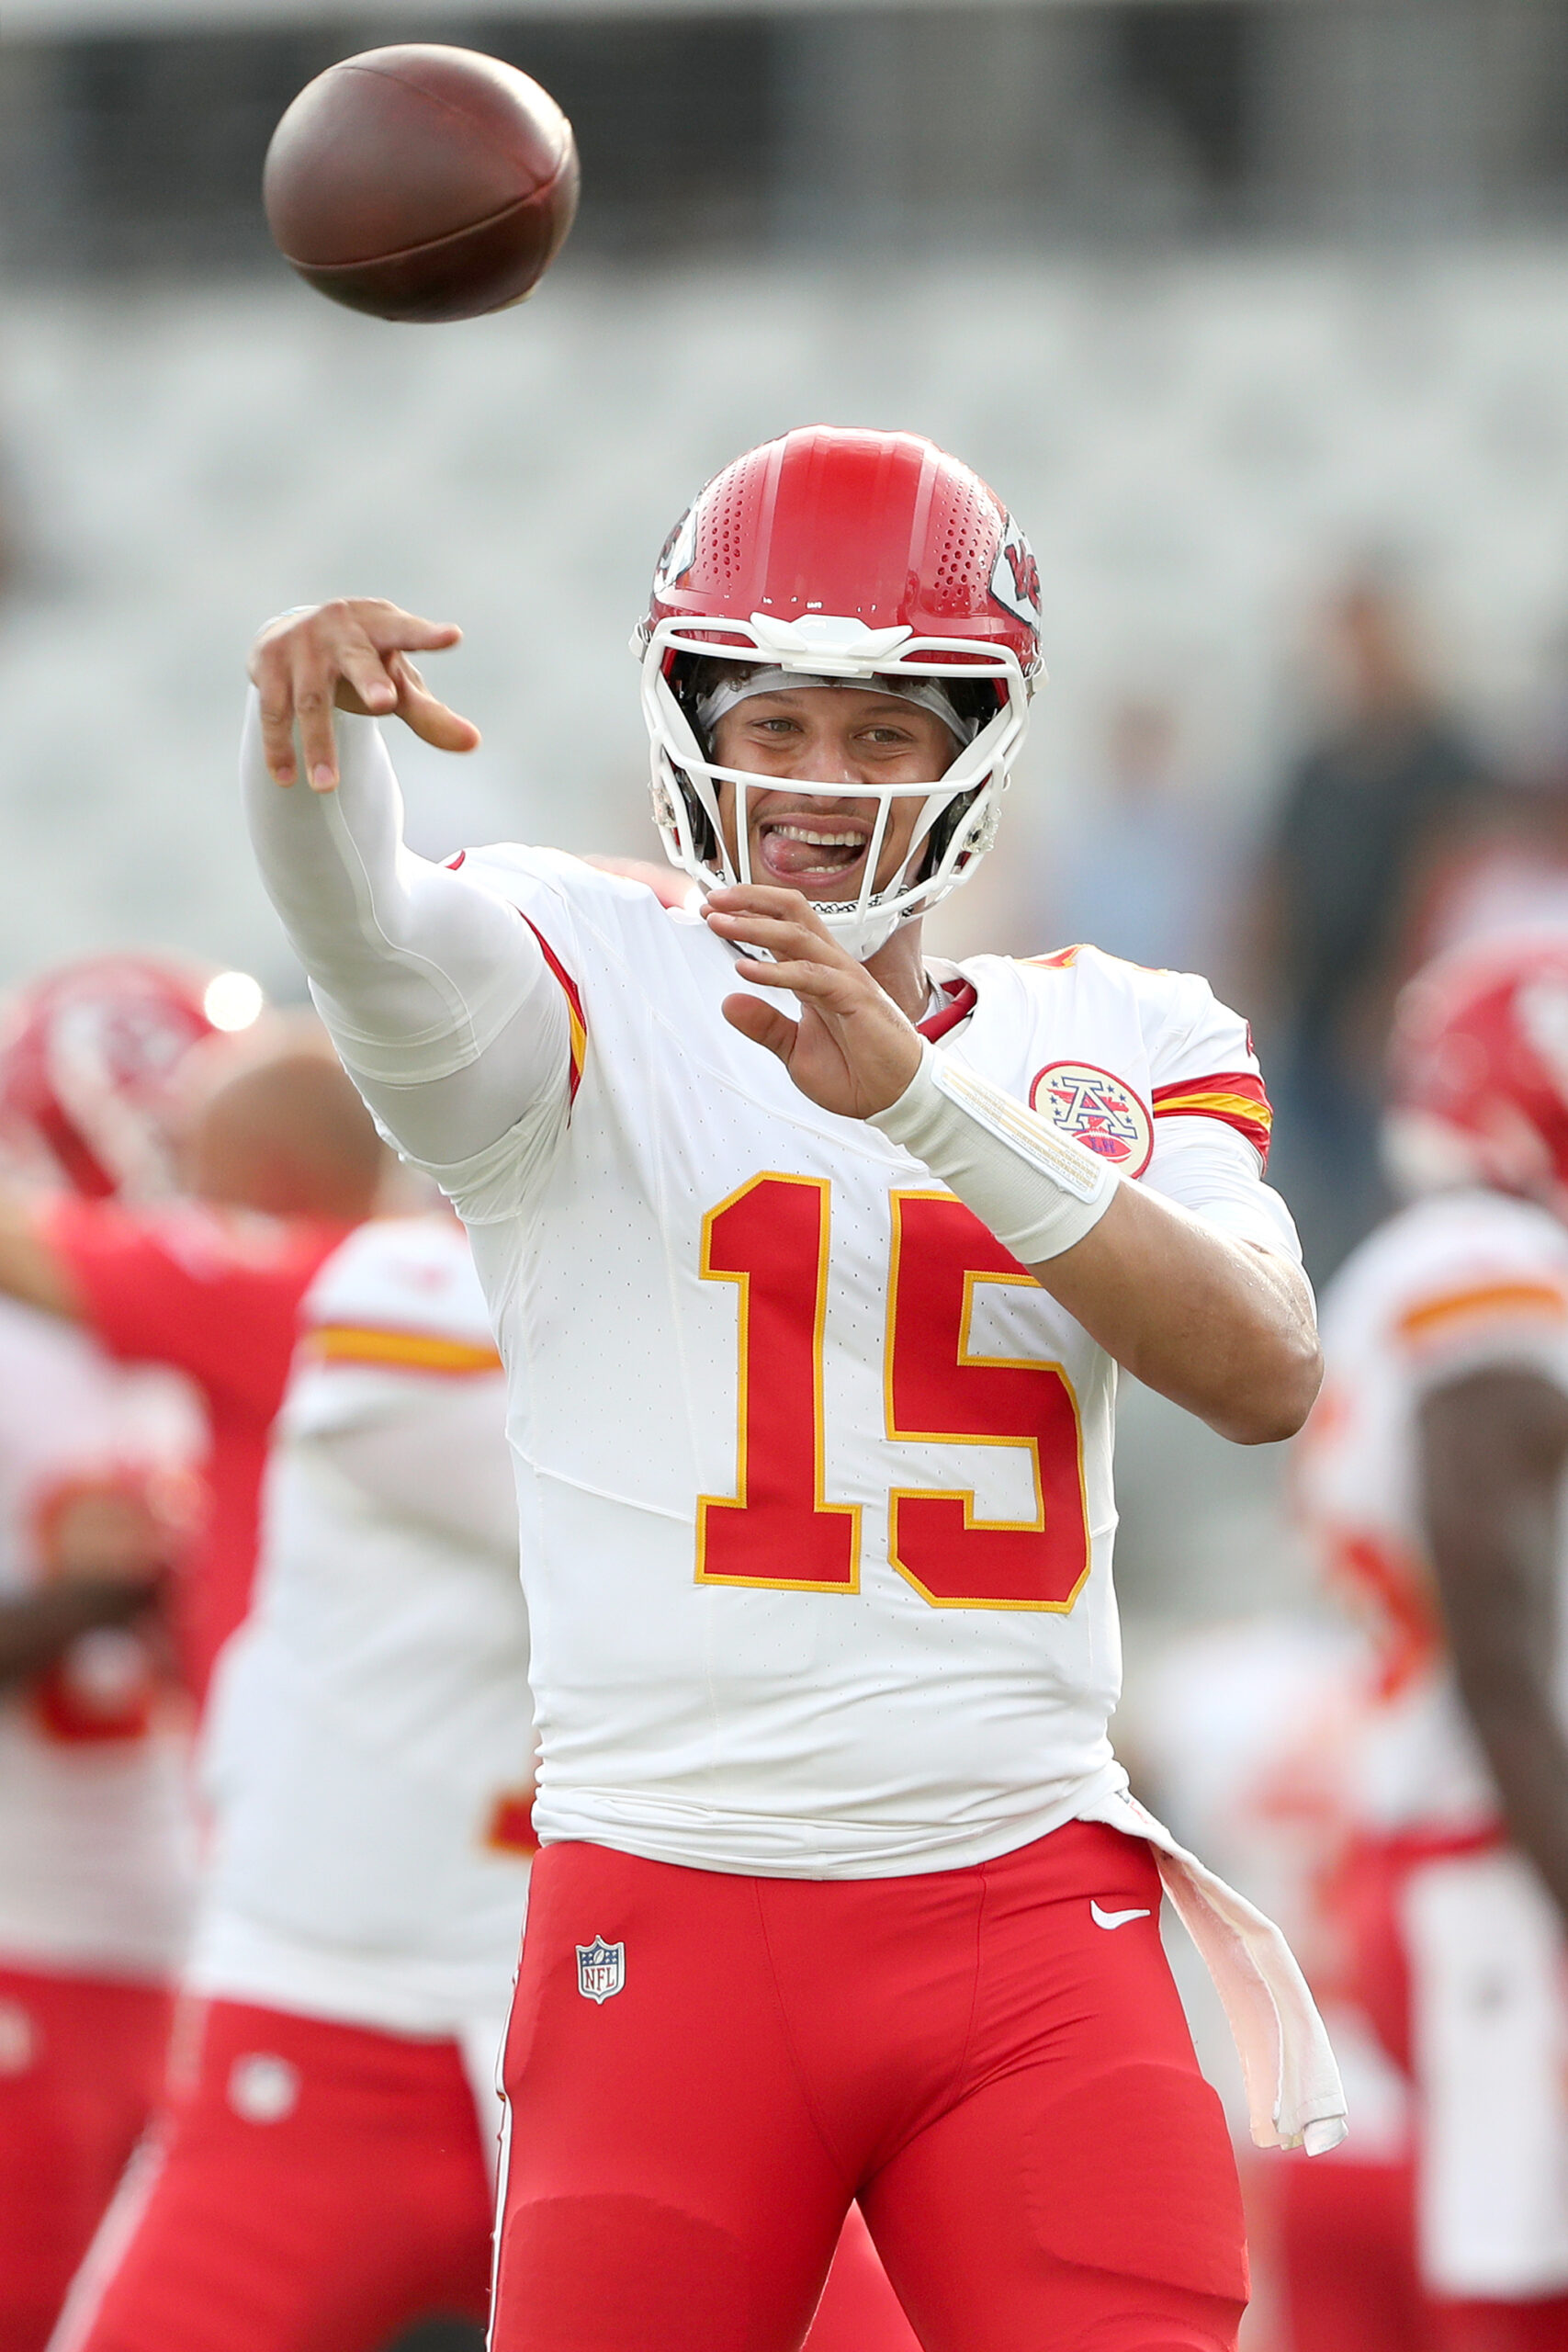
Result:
[215,1293]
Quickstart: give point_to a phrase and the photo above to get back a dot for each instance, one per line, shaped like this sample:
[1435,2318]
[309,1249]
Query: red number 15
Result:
[770,1239]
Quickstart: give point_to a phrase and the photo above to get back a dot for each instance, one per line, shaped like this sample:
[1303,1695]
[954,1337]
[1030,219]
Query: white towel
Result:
[1295,2096]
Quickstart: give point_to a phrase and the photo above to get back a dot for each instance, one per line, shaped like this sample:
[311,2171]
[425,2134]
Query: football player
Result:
[1431,1473]
[321,2175]
[95,1831]
[279,1161]
[842,1893]
[1246,1733]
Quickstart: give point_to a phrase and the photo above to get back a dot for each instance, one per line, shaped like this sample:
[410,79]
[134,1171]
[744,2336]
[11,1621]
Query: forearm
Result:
[1493,1447]
[35,1629]
[434,992]
[1523,1743]
[1220,1326]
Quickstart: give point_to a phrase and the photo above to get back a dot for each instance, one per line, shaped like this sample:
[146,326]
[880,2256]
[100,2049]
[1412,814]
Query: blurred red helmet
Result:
[1478,1072]
[845,557]
[91,1061]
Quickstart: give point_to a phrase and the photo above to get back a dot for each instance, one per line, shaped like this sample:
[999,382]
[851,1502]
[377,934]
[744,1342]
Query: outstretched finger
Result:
[824,984]
[314,718]
[406,632]
[763,1024]
[432,721]
[369,674]
[276,704]
[779,934]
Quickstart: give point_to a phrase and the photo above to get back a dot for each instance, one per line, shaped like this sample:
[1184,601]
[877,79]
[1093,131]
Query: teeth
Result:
[820,841]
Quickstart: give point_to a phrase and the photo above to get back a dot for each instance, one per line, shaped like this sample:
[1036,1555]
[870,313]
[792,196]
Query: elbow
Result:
[1274,1399]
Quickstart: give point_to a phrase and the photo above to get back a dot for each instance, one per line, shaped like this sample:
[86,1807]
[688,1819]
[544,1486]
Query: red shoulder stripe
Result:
[576,1018]
[1237,1096]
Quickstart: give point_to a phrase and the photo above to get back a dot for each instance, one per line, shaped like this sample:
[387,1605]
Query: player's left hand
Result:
[851,1051]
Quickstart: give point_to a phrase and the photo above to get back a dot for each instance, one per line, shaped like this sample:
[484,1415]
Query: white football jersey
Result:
[96,1829]
[1457,1282]
[369,1757]
[815,1480]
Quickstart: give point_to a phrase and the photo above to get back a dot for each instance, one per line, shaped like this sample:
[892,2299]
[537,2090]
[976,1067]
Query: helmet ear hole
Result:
[945,832]
[704,841]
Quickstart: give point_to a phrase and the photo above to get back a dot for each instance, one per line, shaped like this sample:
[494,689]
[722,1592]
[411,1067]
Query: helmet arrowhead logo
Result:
[1015,575]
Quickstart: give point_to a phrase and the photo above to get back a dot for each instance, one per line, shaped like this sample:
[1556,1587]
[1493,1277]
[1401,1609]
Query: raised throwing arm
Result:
[435,990]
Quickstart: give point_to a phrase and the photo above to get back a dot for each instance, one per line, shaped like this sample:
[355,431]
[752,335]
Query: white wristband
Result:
[1038,1190]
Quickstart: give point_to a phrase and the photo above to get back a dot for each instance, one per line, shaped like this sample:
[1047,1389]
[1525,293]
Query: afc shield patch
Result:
[1099,1109]
[600,1969]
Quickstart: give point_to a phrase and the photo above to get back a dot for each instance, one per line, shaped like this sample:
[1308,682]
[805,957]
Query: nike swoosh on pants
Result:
[1112,1919]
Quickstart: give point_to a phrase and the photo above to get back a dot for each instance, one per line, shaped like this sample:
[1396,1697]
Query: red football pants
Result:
[1344,2237]
[80,2066]
[1500,2327]
[859,2311]
[1006,2083]
[309,2187]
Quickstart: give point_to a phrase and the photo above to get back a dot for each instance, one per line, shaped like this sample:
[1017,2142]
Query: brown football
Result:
[422,182]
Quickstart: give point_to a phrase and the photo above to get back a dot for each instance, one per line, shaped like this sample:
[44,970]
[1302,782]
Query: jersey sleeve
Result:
[214,1299]
[398,1383]
[1210,1113]
[1496,1310]
[448,1010]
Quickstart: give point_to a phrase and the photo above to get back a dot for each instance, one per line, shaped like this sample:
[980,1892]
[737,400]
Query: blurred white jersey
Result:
[95,1833]
[1244,1735]
[1457,1282]
[369,1757]
[815,1479]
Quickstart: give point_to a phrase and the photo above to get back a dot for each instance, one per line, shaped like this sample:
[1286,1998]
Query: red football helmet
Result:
[91,1058]
[1478,1071]
[835,556]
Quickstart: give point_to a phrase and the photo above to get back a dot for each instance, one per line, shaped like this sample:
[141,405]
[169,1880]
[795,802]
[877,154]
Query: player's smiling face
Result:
[844,736]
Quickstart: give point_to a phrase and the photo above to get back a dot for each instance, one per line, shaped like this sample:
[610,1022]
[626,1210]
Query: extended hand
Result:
[354,653]
[851,1050]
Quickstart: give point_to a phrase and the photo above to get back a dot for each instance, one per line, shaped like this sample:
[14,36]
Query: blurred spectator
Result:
[1369,811]
[1137,869]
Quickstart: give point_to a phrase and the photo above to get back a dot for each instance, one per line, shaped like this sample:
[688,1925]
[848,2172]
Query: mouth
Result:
[805,855]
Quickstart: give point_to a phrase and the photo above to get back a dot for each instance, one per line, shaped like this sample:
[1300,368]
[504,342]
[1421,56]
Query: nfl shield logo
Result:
[600,1969]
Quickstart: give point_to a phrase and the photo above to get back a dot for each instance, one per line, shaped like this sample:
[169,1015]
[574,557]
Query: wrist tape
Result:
[1037,1190]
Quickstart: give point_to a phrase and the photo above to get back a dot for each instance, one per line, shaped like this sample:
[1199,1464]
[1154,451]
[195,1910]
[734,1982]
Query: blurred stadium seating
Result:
[1195,442]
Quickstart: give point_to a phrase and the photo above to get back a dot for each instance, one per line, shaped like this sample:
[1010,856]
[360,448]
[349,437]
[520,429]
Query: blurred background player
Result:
[321,2174]
[1243,1732]
[279,1161]
[1431,1471]
[95,1843]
